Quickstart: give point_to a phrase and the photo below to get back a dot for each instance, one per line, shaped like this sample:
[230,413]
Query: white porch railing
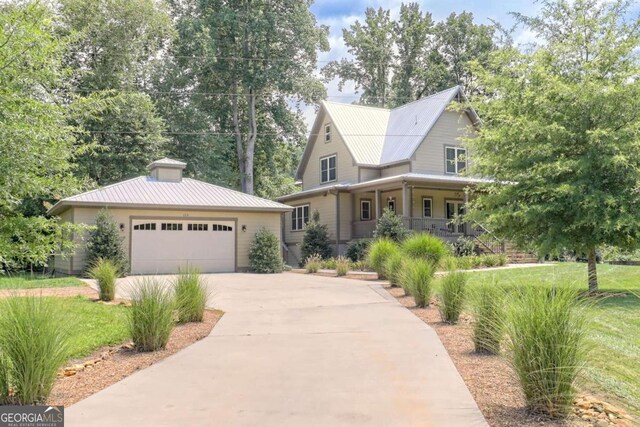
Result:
[441,227]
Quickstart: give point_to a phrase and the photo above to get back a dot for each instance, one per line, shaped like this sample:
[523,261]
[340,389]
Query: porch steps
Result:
[515,255]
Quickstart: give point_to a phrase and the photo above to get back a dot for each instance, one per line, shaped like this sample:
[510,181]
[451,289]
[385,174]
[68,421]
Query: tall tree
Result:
[371,45]
[561,132]
[248,57]
[37,143]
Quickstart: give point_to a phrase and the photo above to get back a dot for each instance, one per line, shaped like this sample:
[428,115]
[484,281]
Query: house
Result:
[360,160]
[168,222]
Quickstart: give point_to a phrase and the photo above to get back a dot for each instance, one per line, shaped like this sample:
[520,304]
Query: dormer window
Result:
[328,169]
[327,133]
[455,160]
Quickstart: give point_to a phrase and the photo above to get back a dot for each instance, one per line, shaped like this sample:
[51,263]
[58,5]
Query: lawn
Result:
[28,281]
[614,361]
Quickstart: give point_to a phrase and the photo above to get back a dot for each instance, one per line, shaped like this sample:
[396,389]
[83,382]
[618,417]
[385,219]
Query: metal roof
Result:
[147,192]
[168,163]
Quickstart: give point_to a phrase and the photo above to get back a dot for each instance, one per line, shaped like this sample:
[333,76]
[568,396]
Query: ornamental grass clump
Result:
[313,263]
[547,328]
[190,296]
[452,296]
[488,318]
[34,343]
[105,272]
[392,268]
[426,246]
[150,315]
[379,251]
[342,266]
[416,278]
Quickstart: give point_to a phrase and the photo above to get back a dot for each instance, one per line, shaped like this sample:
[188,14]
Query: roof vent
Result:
[168,170]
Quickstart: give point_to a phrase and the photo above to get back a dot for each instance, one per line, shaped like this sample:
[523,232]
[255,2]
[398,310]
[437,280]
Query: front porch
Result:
[444,228]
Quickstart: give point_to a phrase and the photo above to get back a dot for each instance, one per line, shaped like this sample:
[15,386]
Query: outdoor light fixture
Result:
[244,228]
[122,226]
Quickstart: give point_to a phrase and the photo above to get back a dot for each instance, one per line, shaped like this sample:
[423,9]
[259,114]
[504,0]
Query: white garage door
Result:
[163,246]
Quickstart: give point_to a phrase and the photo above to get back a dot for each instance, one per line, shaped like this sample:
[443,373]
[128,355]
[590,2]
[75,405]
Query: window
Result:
[391,204]
[456,159]
[220,227]
[427,205]
[197,227]
[327,133]
[299,217]
[147,226]
[328,169]
[171,226]
[365,210]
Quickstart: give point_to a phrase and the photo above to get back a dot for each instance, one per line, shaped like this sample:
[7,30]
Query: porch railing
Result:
[441,227]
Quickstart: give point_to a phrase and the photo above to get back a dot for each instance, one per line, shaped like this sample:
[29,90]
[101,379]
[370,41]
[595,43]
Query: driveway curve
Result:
[294,350]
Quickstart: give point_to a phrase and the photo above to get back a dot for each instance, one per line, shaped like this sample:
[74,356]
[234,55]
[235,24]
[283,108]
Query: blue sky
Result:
[338,14]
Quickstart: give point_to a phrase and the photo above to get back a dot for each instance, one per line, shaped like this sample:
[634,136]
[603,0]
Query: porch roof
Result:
[424,178]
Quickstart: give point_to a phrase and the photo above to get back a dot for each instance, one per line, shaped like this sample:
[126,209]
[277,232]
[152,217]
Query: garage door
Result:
[163,246]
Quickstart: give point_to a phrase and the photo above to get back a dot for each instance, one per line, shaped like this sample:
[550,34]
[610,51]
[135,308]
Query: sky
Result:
[338,14]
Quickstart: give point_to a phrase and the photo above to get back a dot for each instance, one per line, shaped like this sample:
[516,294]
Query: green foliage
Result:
[191,295]
[452,296]
[34,345]
[264,253]
[565,113]
[392,267]
[313,263]
[342,266]
[488,318]
[316,238]
[150,315]
[390,226]
[426,246]
[547,328]
[105,273]
[417,278]
[357,250]
[105,242]
[379,251]
[610,253]
[464,246]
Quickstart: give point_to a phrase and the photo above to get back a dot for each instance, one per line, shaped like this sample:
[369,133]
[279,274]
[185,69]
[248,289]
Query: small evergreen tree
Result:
[316,238]
[105,242]
[390,226]
[264,253]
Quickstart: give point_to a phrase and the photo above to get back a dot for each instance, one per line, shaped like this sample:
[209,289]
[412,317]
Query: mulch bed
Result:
[84,377]
[490,379]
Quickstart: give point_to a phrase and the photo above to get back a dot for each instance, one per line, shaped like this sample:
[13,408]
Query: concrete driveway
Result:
[295,350]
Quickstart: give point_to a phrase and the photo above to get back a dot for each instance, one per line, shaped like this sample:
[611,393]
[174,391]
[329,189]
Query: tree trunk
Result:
[239,140]
[591,268]
[251,141]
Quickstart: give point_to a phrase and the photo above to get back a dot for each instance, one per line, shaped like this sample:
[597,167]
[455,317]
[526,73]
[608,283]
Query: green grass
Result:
[612,364]
[28,281]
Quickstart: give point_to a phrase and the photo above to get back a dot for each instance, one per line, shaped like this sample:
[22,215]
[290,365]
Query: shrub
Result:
[425,246]
[392,267]
[190,296]
[488,316]
[105,273]
[105,242]
[342,266]
[464,247]
[34,343]
[488,260]
[547,330]
[463,263]
[361,265]
[476,261]
[264,253]
[316,238]
[357,250]
[313,263]
[378,253]
[150,315]
[452,296]
[502,259]
[417,277]
[390,226]
[329,264]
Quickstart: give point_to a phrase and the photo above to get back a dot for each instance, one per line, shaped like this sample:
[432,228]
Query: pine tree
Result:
[105,242]
[316,238]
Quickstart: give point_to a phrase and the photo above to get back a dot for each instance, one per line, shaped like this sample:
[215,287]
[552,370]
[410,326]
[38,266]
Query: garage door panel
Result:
[172,244]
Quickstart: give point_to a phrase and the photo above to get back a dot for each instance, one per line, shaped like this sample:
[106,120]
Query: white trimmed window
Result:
[456,159]
[365,210]
[327,133]
[299,217]
[427,207]
[328,169]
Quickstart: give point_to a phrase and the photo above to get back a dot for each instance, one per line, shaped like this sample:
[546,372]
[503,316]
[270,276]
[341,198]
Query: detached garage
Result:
[168,222]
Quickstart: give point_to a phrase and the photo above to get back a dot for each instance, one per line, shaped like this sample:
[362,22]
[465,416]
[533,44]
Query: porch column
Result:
[466,227]
[405,200]
[377,202]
